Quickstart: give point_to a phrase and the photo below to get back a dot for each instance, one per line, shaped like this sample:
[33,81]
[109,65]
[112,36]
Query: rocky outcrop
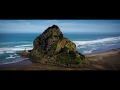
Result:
[52,47]
[25,53]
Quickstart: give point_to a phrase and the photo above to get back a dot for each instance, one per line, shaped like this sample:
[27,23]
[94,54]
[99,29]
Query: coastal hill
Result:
[52,47]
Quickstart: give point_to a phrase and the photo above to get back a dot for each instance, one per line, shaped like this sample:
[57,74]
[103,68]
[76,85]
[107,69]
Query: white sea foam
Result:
[82,46]
[26,45]
[15,54]
[12,49]
[86,52]
[17,46]
[10,52]
[13,61]
[89,51]
[79,47]
[1,52]
[104,40]
[111,44]
[9,57]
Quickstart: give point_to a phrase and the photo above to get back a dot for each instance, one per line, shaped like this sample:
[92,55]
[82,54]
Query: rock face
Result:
[52,47]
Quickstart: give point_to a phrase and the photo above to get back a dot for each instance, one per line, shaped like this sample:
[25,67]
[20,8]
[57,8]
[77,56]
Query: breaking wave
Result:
[87,47]
[99,41]
[15,48]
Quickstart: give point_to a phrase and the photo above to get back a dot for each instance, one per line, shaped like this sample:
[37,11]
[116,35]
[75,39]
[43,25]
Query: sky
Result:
[76,26]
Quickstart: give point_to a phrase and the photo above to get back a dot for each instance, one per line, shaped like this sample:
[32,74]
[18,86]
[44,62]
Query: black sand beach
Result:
[17,64]
[109,60]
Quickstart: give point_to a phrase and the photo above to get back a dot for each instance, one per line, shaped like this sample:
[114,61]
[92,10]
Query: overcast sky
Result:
[38,26]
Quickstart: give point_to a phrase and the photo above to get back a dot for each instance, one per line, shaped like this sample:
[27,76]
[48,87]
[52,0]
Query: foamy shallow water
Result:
[16,64]
[12,59]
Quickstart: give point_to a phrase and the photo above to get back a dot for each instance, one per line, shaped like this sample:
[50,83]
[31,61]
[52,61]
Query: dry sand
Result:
[109,60]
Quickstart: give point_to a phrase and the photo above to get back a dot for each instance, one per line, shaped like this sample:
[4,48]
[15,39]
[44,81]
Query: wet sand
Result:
[16,65]
[109,60]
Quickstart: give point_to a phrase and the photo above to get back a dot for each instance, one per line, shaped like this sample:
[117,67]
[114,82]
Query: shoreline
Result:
[22,63]
[108,60]
[112,51]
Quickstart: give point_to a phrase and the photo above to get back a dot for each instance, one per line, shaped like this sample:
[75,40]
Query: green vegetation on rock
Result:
[52,46]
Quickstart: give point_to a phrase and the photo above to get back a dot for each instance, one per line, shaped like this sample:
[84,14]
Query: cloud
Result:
[51,21]
[60,22]
[65,26]
[77,24]
[22,27]
[68,24]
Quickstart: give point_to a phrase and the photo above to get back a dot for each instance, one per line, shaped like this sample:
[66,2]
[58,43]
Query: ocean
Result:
[86,43]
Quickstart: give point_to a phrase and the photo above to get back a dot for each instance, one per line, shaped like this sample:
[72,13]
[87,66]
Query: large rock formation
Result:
[52,47]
